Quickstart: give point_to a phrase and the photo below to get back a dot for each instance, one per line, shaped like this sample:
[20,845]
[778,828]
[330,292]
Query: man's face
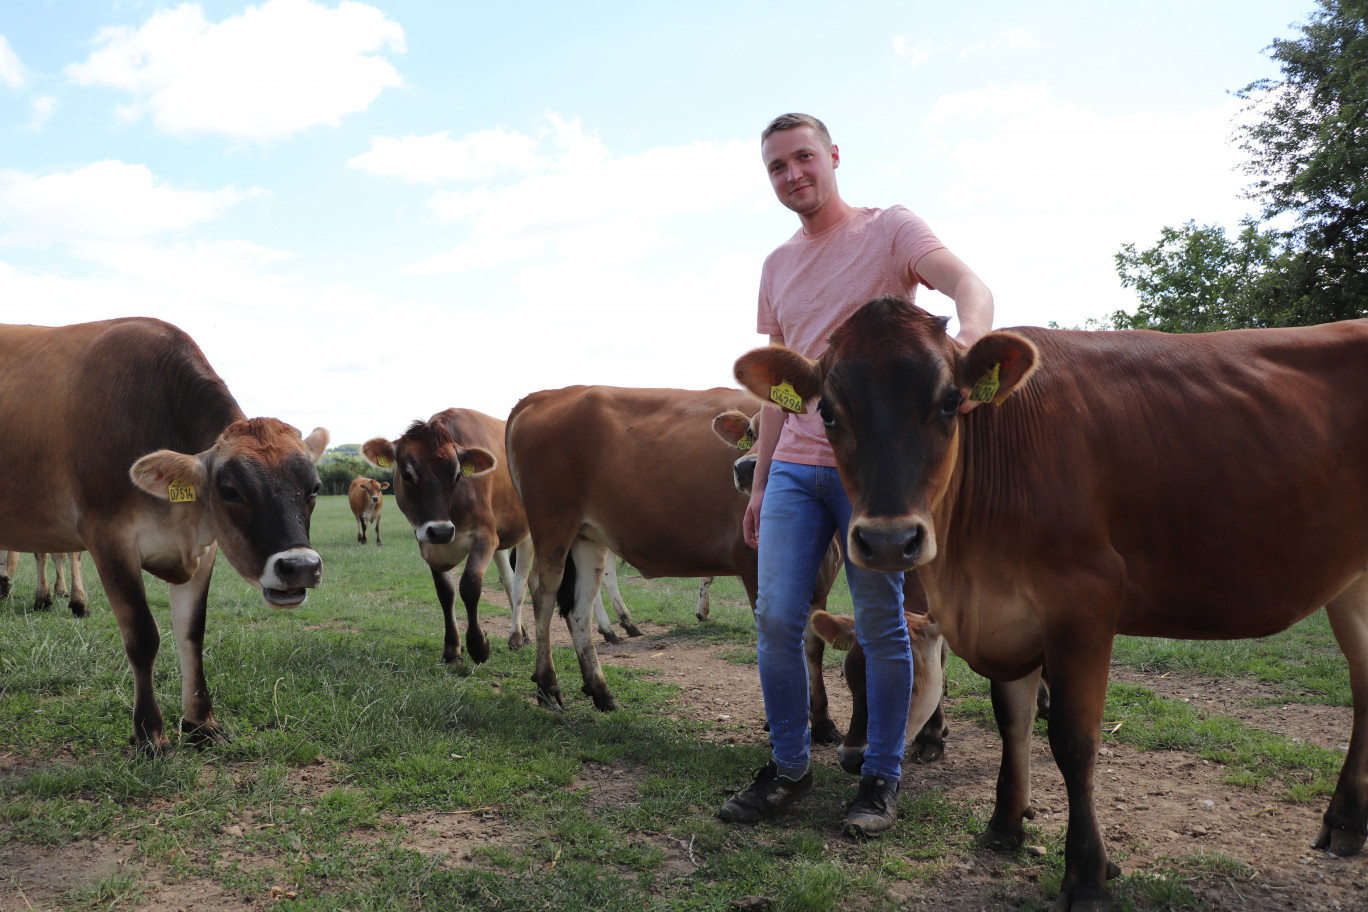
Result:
[801,169]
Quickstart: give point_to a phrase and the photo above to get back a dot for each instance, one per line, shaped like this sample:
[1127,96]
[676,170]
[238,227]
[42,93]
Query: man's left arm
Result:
[949,275]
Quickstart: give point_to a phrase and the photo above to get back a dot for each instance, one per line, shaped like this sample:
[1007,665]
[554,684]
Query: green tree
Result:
[1308,151]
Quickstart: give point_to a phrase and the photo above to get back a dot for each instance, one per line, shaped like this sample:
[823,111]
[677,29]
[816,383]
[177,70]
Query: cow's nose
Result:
[437,533]
[890,544]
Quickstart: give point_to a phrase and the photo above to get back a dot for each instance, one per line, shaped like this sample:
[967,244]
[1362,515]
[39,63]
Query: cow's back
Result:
[1205,470]
[640,468]
[79,404]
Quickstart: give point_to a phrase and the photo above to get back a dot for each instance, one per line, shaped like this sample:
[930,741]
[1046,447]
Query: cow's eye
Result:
[828,415]
[950,403]
[230,494]
[313,495]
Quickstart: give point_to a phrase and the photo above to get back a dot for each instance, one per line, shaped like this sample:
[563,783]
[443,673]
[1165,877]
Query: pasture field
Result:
[365,775]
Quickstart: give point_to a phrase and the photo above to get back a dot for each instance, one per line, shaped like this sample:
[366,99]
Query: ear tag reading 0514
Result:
[180,491]
[746,442]
[787,398]
[986,387]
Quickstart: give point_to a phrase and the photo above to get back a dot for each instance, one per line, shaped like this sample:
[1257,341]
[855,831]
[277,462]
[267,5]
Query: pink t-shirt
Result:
[811,284]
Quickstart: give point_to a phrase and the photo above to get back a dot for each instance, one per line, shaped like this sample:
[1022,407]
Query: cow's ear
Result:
[384,485]
[316,444]
[170,475]
[378,452]
[475,461]
[763,369]
[837,630]
[733,427]
[996,366]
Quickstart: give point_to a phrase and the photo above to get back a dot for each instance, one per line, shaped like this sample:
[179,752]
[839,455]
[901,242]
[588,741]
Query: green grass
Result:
[346,725]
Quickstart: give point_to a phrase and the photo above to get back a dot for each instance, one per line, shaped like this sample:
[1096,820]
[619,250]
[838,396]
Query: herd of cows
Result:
[1205,486]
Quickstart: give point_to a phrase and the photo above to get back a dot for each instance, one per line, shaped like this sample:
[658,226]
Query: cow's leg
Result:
[377,530]
[1014,711]
[824,730]
[605,626]
[1343,830]
[513,574]
[610,584]
[7,574]
[59,589]
[361,529]
[471,586]
[78,601]
[928,745]
[851,752]
[42,598]
[123,585]
[589,557]
[446,597]
[701,612]
[550,572]
[189,602]
[1078,660]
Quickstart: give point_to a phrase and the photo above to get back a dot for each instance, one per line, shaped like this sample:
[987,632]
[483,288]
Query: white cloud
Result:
[107,199]
[12,72]
[1022,158]
[576,200]
[43,106]
[440,159]
[920,53]
[271,71]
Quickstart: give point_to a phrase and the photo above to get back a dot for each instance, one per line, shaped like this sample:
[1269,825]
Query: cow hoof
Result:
[603,702]
[851,759]
[43,604]
[1068,903]
[516,640]
[208,734]
[79,609]
[1113,870]
[452,658]
[999,841]
[5,588]
[632,629]
[698,614]
[1338,842]
[477,644]
[927,752]
[826,732]
[152,748]
[609,636]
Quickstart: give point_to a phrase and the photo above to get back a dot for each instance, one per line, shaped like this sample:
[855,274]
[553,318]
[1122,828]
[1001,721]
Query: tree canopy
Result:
[1308,157]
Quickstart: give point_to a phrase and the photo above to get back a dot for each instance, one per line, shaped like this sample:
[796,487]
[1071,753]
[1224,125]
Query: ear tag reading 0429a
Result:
[787,398]
[986,387]
[746,442]
[180,491]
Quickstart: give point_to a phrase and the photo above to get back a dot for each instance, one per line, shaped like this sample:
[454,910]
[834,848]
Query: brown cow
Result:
[635,471]
[42,595]
[1206,486]
[366,501]
[126,444]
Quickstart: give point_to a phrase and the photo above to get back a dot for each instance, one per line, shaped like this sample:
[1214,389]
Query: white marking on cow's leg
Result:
[523,551]
[610,582]
[78,601]
[188,603]
[589,557]
[605,626]
[1341,831]
[506,580]
[289,575]
[704,585]
[928,677]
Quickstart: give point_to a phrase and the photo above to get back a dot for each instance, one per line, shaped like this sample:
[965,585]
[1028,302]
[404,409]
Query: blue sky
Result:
[368,212]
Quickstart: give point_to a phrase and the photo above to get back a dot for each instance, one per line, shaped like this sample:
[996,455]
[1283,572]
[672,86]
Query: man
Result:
[841,258]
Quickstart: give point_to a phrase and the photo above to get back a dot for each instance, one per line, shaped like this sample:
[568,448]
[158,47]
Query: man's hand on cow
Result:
[750,524]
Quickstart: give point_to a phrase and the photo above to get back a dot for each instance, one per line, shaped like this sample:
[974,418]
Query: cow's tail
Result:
[508,450]
[565,595]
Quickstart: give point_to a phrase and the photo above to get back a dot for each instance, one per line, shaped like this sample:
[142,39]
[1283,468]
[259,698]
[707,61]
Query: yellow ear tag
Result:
[467,469]
[746,442]
[180,491]
[787,398]
[383,462]
[987,386]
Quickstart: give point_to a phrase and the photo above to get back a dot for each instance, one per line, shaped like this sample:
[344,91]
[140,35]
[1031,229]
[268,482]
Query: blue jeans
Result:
[803,507]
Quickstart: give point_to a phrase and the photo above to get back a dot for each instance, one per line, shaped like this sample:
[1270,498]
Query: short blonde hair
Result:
[793,121]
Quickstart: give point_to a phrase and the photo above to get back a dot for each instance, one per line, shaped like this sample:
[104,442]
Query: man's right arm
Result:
[771,426]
